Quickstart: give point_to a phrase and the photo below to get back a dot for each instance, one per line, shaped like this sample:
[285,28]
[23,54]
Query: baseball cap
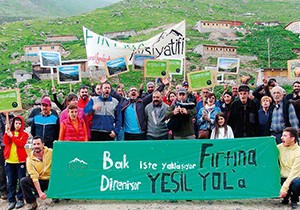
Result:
[181,90]
[244,88]
[46,101]
[185,83]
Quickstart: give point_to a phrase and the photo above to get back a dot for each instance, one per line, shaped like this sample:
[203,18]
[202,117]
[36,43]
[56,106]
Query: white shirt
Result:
[222,133]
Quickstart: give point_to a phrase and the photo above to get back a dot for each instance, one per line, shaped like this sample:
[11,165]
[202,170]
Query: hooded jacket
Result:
[19,141]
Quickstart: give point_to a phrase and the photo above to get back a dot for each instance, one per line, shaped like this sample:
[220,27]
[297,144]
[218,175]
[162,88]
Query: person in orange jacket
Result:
[15,155]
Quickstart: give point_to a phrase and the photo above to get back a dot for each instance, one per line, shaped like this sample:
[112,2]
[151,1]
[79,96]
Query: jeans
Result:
[14,172]
[28,188]
[3,182]
[131,136]
[163,137]
[294,189]
[100,136]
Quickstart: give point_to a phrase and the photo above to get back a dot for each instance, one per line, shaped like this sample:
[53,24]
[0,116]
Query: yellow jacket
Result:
[289,160]
[38,169]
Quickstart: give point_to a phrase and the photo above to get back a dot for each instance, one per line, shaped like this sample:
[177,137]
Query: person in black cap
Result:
[243,117]
[190,97]
[181,115]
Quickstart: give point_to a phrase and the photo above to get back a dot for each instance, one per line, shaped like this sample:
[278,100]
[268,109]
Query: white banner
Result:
[169,44]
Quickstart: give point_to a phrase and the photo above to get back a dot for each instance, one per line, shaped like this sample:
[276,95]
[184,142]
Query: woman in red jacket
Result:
[15,155]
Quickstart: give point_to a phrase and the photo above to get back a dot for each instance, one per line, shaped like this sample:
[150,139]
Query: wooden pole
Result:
[52,80]
[7,118]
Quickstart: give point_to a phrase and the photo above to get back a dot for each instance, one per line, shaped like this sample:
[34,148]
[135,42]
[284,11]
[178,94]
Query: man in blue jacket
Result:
[107,119]
[46,124]
[133,110]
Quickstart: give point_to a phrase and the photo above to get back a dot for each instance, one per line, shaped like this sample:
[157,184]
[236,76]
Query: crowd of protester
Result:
[159,113]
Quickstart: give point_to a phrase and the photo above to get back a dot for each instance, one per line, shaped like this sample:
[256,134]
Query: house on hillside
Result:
[207,50]
[280,74]
[61,38]
[32,51]
[293,27]
[267,23]
[211,25]
[22,76]
[120,34]
[42,73]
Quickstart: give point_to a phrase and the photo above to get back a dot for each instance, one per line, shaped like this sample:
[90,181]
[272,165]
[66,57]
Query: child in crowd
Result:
[73,128]
[221,129]
[15,155]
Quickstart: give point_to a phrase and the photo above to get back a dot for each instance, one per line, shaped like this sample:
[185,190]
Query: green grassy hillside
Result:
[145,14]
[13,10]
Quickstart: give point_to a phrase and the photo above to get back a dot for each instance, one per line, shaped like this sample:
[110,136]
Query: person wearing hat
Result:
[243,117]
[46,124]
[190,96]
[182,116]
[150,88]
[38,110]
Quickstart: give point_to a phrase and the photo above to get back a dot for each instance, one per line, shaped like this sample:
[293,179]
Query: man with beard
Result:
[150,88]
[155,114]
[46,124]
[84,97]
[107,119]
[38,166]
[83,101]
[295,95]
[133,110]
[243,118]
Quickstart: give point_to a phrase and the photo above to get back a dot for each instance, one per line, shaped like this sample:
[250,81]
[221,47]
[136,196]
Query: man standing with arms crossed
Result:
[38,166]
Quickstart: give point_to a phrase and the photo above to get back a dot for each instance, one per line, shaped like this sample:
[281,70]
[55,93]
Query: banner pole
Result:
[52,80]
[70,87]
[184,63]
[7,118]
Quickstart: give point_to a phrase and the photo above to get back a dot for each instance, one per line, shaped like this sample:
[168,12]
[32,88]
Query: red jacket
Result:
[19,141]
[71,134]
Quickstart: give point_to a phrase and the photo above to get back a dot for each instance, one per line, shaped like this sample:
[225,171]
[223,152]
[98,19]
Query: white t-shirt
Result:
[222,133]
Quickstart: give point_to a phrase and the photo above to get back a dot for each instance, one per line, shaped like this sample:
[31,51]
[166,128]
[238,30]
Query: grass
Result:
[128,15]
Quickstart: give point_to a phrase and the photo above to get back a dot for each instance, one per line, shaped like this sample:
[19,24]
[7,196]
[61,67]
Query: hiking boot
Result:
[294,205]
[19,204]
[11,205]
[285,201]
[4,196]
[32,206]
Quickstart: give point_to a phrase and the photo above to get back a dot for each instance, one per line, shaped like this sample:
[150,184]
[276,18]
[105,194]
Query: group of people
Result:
[159,113]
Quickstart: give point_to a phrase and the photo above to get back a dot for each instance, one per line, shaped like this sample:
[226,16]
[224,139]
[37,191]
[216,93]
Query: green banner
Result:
[185,169]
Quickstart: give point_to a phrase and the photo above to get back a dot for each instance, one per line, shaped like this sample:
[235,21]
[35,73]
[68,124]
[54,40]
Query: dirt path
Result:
[264,204]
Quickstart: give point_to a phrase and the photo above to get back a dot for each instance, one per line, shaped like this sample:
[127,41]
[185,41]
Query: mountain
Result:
[32,9]
[147,17]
